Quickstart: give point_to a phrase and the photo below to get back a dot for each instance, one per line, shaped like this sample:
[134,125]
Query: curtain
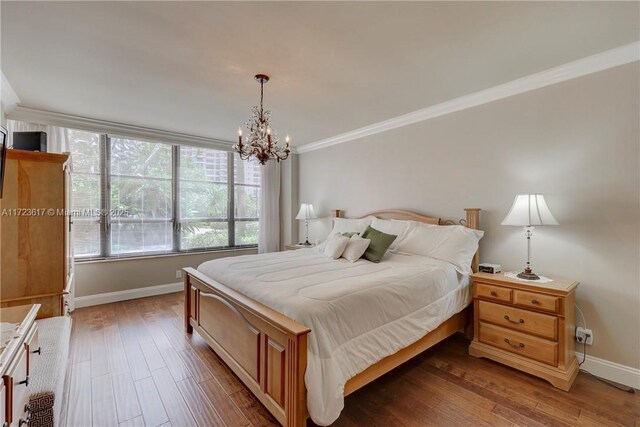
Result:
[269,236]
[57,137]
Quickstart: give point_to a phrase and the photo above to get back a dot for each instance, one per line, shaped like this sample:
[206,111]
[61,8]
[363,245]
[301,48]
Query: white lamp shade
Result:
[529,209]
[306,212]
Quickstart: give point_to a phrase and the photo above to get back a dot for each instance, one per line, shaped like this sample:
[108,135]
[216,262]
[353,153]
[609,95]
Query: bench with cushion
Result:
[49,371]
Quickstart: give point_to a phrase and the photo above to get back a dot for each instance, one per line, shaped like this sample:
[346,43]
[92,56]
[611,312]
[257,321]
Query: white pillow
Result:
[342,225]
[398,228]
[455,244]
[336,243]
[356,247]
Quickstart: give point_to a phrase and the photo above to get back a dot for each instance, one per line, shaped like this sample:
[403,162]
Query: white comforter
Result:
[358,313]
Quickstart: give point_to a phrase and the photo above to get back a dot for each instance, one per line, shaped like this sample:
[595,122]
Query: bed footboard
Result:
[266,350]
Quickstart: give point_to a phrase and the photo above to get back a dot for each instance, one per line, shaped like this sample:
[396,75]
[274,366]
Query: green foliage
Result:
[247,232]
[141,178]
[203,200]
[204,235]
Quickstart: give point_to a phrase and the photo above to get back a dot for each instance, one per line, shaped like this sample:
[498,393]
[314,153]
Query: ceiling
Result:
[335,66]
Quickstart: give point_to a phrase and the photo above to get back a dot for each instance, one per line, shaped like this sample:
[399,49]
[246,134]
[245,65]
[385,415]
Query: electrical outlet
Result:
[178,274]
[584,335]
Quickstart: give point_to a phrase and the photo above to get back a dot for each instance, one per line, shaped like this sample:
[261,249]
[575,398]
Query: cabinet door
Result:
[32,260]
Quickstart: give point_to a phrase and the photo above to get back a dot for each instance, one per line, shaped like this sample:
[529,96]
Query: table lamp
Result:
[306,212]
[529,210]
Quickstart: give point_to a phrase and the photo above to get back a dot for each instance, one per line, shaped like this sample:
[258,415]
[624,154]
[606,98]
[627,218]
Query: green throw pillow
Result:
[349,234]
[380,242]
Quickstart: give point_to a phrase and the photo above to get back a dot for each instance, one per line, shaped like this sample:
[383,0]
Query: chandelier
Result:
[262,142]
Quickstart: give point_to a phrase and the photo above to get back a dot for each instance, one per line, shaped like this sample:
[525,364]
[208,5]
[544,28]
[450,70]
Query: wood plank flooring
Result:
[132,365]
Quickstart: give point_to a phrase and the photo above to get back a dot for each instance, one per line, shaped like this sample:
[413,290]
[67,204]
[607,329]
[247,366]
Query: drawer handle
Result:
[38,351]
[494,294]
[520,345]
[25,381]
[27,408]
[24,422]
[506,317]
[534,301]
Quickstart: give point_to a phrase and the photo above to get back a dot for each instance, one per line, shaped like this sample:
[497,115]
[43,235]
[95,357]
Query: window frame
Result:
[105,220]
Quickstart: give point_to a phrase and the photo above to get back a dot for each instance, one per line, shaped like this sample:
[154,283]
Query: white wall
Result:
[576,142]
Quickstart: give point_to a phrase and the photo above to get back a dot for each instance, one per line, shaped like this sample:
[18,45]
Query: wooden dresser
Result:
[530,327]
[17,360]
[36,259]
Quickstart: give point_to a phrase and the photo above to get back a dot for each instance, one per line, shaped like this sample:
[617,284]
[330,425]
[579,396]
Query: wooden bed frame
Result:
[268,351]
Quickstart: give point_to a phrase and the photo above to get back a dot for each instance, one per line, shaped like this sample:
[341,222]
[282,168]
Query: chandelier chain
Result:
[261,97]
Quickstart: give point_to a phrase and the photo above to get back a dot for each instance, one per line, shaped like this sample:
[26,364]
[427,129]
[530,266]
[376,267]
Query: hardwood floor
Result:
[132,365]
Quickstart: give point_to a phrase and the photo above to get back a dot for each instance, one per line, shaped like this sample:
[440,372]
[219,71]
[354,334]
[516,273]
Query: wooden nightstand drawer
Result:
[515,342]
[538,301]
[530,322]
[497,293]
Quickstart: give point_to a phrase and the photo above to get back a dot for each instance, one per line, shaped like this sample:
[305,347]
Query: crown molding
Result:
[103,126]
[8,96]
[44,117]
[589,65]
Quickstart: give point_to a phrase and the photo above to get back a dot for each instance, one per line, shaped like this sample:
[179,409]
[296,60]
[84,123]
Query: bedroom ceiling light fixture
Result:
[262,142]
[529,210]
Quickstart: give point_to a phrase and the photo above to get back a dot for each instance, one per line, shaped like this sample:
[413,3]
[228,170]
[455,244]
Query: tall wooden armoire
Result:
[36,259]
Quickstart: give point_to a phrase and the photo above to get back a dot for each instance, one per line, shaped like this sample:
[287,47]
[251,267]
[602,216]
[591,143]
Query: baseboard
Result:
[110,297]
[611,371]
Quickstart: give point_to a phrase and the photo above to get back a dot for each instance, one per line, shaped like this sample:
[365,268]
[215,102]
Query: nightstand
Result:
[295,247]
[528,326]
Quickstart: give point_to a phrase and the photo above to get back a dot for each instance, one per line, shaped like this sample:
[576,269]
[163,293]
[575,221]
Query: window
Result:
[140,178]
[86,192]
[204,198]
[246,200]
[159,198]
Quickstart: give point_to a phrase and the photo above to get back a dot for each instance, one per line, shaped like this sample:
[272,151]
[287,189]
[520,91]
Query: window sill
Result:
[165,255]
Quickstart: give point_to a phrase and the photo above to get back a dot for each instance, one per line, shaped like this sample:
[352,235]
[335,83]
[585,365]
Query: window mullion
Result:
[175,196]
[231,200]
[105,199]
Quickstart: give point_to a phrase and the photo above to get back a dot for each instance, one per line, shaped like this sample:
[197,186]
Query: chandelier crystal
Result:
[262,141]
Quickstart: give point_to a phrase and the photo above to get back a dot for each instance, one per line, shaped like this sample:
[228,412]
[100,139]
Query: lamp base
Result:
[527,274]
[306,243]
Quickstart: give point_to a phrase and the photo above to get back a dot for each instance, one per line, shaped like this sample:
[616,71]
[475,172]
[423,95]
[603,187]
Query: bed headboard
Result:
[471,220]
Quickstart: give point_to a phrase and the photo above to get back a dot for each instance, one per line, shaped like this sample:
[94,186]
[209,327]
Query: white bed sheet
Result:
[358,312]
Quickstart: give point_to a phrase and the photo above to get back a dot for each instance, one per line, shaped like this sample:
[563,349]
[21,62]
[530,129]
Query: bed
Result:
[302,331]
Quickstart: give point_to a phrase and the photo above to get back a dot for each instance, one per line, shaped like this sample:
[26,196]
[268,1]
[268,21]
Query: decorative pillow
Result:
[455,244]
[336,243]
[355,248]
[380,242]
[395,227]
